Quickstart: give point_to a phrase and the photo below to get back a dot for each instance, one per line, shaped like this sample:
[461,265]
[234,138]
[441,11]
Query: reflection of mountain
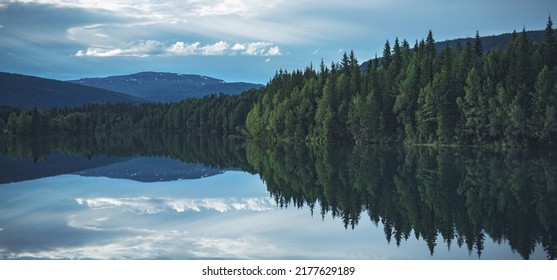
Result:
[17,169]
[147,169]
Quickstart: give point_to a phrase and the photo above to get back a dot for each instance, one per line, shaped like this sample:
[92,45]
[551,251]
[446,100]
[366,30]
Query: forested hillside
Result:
[214,114]
[460,95]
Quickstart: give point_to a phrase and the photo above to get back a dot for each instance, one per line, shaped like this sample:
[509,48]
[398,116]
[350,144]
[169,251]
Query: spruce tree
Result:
[549,46]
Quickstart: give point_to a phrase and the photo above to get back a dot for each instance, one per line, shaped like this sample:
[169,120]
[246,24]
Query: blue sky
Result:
[234,40]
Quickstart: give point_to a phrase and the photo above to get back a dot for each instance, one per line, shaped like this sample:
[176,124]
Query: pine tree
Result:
[426,115]
[540,101]
[386,59]
[549,46]
[447,109]
[478,48]
[407,101]
[474,126]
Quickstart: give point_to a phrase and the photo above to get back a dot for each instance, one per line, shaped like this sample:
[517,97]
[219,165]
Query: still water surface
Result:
[160,207]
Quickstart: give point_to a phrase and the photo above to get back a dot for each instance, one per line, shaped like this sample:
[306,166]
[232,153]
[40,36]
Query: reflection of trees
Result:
[459,195]
[214,152]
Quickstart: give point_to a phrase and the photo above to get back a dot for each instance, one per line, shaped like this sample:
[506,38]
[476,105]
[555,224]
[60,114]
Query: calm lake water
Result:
[173,197]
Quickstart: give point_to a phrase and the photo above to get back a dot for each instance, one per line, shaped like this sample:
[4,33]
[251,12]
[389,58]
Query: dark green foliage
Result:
[214,114]
[468,95]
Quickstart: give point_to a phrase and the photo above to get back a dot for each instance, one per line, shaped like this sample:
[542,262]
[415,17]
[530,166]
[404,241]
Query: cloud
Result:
[141,49]
[274,51]
[218,48]
[181,48]
[156,48]
[145,205]
[233,7]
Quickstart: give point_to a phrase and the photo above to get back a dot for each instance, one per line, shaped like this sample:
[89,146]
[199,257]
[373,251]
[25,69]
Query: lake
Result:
[184,197]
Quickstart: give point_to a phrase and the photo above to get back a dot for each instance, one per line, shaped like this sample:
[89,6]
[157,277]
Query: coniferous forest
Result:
[417,95]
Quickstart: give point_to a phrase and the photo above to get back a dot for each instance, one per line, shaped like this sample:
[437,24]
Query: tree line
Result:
[214,114]
[461,95]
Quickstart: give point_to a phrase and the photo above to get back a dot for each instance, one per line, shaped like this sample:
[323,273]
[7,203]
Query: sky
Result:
[233,40]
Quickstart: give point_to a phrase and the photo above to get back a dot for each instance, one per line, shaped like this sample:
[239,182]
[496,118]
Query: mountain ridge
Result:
[28,92]
[166,86]
[488,42]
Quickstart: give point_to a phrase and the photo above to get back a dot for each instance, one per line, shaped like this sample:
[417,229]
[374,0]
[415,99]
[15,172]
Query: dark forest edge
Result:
[458,96]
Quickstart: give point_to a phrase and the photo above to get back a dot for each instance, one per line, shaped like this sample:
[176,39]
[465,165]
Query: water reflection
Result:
[462,196]
[471,201]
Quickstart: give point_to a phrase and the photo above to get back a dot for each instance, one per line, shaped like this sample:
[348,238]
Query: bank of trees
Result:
[215,114]
[461,95]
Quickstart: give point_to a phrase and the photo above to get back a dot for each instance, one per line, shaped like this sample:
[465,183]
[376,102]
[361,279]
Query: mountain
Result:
[166,87]
[30,92]
[141,169]
[152,169]
[488,42]
[16,169]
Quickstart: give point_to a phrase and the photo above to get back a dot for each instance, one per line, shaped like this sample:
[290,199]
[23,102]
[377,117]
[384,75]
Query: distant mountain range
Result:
[166,87]
[152,169]
[30,92]
[488,42]
[33,92]
[141,169]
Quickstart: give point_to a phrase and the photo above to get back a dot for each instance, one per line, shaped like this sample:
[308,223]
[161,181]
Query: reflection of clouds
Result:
[146,245]
[161,245]
[146,205]
[244,247]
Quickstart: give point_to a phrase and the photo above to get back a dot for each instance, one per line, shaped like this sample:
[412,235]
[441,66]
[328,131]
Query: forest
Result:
[459,95]
[463,95]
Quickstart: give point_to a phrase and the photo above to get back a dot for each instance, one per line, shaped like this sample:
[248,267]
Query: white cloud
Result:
[181,48]
[273,51]
[218,48]
[257,49]
[141,49]
[238,47]
[145,205]
[156,48]
[233,7]
[267,60]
